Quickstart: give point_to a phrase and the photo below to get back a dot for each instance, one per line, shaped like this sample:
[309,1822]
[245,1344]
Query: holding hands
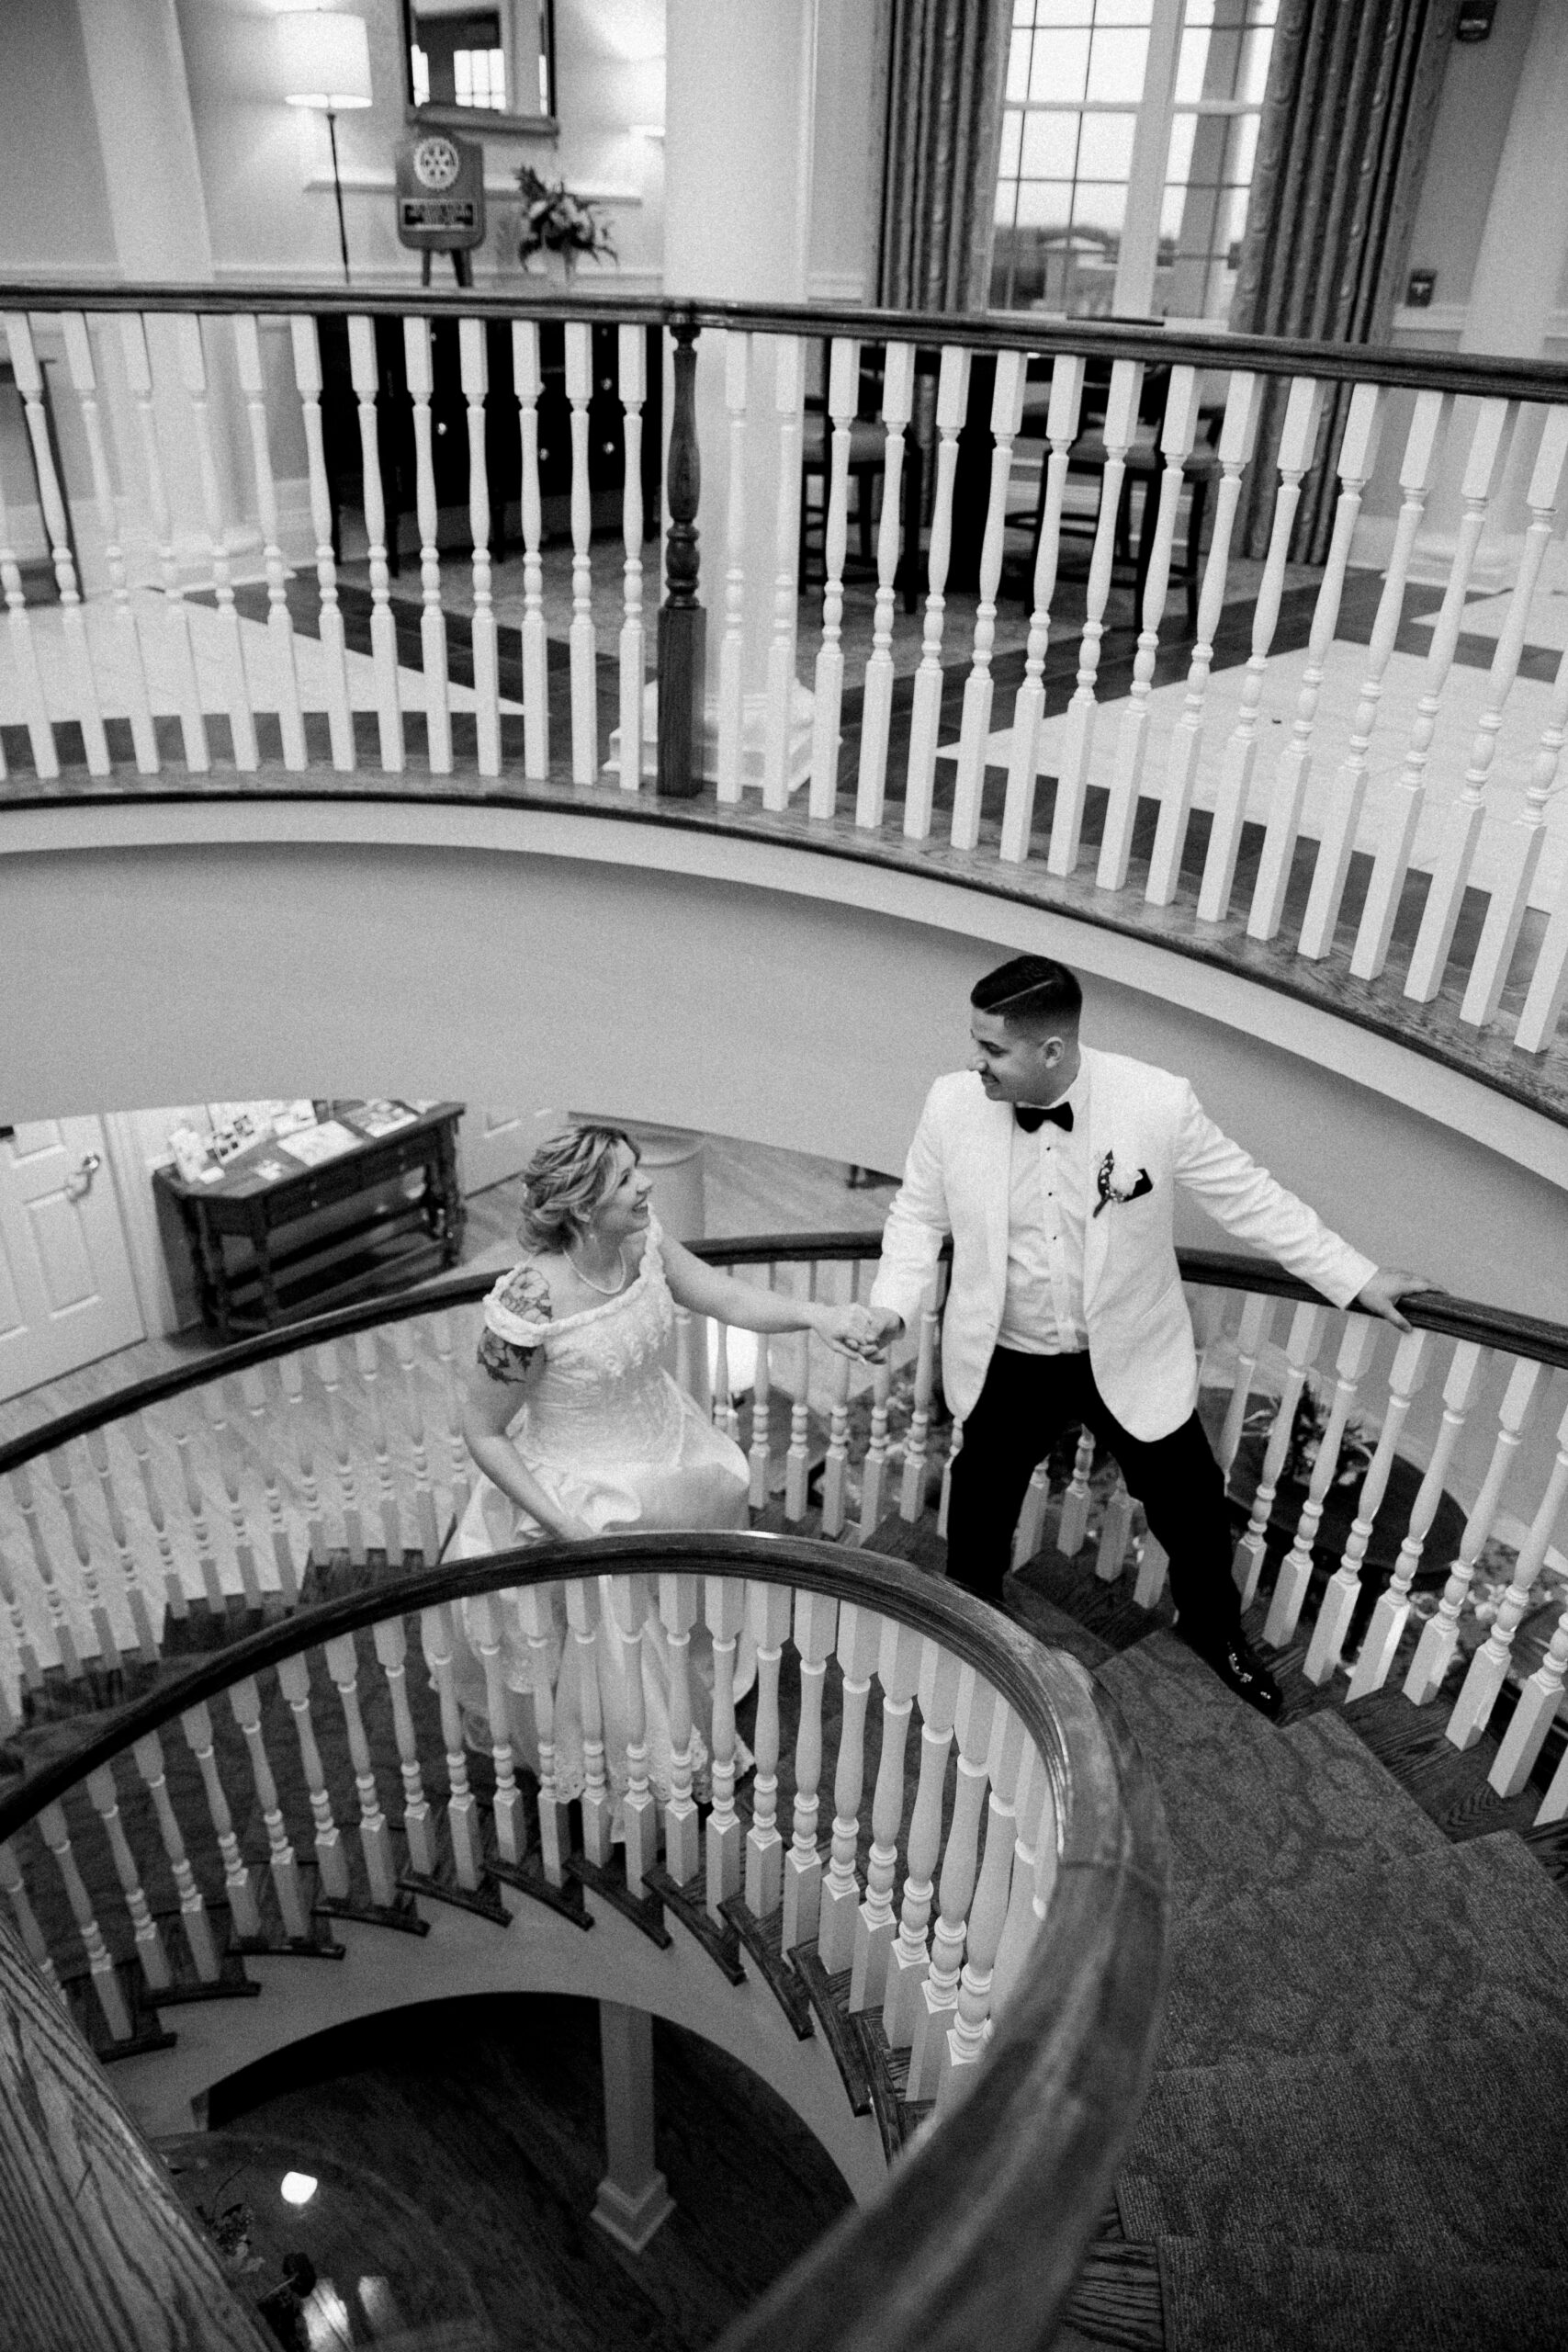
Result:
[862,1332]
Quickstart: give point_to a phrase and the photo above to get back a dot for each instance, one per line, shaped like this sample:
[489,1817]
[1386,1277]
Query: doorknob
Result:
[79,1184]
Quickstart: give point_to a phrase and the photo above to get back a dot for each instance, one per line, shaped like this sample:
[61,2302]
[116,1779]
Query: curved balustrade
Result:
[1397,862]
[1035,1992]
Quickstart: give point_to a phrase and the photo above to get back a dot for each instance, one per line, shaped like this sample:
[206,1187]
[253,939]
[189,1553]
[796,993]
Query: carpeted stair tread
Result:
[1029,1607]
[1394,1955]
[1455,2154]
[1247,1804]
[1271,2298]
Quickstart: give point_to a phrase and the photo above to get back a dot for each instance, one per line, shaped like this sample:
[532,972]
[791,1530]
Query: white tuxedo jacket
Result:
[1141,1122]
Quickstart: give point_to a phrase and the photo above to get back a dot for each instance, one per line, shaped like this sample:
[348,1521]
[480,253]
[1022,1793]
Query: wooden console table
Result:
[253,1271]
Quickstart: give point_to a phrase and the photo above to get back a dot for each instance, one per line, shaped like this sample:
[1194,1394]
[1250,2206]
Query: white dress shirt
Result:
[1042,1312]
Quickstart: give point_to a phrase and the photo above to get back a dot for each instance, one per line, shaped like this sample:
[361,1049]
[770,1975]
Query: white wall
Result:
[54,215]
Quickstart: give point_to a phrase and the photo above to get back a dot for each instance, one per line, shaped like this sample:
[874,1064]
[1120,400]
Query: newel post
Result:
[681,621]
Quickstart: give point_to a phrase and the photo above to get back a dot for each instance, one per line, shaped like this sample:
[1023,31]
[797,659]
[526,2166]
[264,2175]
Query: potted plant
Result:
[558,227]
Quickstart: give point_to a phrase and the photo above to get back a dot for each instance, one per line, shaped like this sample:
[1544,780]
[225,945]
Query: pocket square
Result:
[1116,1187]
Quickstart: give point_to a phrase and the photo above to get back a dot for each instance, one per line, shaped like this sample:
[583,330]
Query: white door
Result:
[494,1144]
[66,1292]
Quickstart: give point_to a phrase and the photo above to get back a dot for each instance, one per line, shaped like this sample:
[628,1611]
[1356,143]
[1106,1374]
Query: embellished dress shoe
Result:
[1240,1669]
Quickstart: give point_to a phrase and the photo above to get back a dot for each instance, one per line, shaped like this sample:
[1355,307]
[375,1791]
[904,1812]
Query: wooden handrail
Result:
[983,2228]
[1454,372]
[1457,1319]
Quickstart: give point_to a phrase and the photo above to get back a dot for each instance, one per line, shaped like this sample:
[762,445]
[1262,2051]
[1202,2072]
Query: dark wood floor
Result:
[486,2116]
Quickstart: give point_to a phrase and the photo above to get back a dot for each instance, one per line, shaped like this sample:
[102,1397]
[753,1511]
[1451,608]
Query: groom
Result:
[1053,1167]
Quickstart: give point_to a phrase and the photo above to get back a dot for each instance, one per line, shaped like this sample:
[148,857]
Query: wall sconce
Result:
[325,58]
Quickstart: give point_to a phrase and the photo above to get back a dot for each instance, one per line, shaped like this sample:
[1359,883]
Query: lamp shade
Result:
[325,58]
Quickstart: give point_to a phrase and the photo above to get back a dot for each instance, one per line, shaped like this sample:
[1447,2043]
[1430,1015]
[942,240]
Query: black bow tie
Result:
[1032,1116]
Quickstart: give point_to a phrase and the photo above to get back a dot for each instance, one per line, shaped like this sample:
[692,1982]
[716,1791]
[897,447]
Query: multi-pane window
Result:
[479,78]
[1128,134]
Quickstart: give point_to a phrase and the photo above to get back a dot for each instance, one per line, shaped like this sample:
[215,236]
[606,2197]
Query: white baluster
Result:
[375,1835]
[1344,1587]
[406,1350]
[331,1862]
[365,376]
[974,1724]
[482,1615]
[419,361]
[836,1467]
[1183,760]
[1115,1534]
[1007,416]
[724,1612]
[912,1494]
[279,626]
[873,1468]
[944,1499]
[1357,455]
[731,760]
[686,1354]
[1036,1816]
[678,1614]
[105,1984]
[1029,707]
[908,1963]
[1178,430]
[592,1636]
[210,1402]
[876,703]
[195,1510]
[1332,863]
[898,1671]
[368,1358]
[391,1651]
[768,1614]
[988,1913]
[457,1453]
[1391,1609]
[1440,915]
[632,374]
[245,1701]
[237,693]
[1028,1535]
[1490,1664]
[816,1629]
[174,1599]
[782,691]
[1554,1804]
[1547,990]
[1119,431]
[1521,847]
[798,1466]
[86,708]
[1306,1330]
[1153,1563]
[1392,862]
[628,1603]
[29,1674]
[925,718]
[858,1645]
[843,399]
[291,1373]
[474,362]
[1439,1636]
[529,383]
[725,1416]
[148,1752]
[128,664]
[1073,1528]
[1298,438]
[329,621]
[581,636]
[1356,1347]
[1252,1334]
[54,1600]
[264,1450]
[97,1615]
[761,1456]
[24,653]
[150,1950]
[462,1806]
[27,1927]
[1533,1717]
[181,659]
[348,1484]
[238,1890]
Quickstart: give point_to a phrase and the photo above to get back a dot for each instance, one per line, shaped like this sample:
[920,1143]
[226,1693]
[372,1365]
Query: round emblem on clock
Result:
[436,162]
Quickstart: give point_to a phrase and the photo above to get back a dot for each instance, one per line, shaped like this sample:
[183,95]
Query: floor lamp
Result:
[325,57]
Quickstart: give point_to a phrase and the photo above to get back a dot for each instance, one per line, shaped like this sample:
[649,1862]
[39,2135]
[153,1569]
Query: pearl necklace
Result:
[611,1290]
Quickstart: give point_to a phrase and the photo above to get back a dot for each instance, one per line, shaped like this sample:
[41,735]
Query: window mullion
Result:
[1135,265]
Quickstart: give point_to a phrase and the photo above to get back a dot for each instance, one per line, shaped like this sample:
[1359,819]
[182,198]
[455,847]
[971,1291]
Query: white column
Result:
[1520,265]
[632,2199]
[737,150]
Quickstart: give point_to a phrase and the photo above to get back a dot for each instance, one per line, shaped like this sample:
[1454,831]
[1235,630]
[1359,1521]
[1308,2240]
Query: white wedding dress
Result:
[610,1437]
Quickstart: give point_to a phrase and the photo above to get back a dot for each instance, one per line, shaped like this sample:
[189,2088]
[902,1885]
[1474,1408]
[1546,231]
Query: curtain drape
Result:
[1353,88]
[945,65]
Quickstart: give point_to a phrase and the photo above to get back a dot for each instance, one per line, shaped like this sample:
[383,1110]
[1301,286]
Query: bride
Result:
[579,1430]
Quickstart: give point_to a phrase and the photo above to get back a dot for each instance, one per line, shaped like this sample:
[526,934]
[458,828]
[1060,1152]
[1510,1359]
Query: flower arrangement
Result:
[556,222]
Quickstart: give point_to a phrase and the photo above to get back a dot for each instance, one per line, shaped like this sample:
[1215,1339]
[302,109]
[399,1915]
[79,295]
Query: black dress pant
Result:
[1026,1404]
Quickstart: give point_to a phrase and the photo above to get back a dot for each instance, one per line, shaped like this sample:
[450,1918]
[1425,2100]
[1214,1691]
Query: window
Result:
[497,60]
[1129,129]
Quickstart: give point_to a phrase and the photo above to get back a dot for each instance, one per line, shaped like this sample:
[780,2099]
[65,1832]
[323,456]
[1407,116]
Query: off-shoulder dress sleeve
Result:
[517,1316]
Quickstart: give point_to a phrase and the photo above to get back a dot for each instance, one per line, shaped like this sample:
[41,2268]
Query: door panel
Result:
[66,1294]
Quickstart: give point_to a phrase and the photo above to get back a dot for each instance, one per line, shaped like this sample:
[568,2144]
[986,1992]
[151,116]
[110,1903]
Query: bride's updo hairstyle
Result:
[566,1182]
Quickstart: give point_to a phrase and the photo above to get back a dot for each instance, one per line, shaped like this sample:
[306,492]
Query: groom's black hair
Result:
[1030,990]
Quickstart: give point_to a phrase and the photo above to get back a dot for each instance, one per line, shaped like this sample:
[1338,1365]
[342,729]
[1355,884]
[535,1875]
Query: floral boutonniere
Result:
[1113,1185]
